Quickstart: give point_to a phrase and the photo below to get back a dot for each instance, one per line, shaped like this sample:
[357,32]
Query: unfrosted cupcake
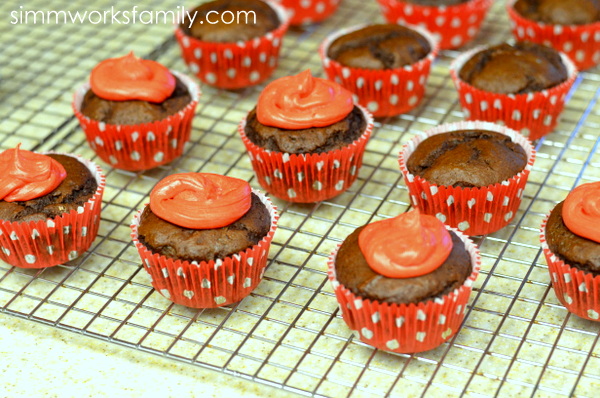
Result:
[570,238]
[403,283]
[204,238]
[306,138]
[136,114]
[49,207]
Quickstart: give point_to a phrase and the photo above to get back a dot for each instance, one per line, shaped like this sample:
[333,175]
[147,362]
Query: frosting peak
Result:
[200,200]
[406,246]
[303,101]
[581,211]
[132,78]
[26,175]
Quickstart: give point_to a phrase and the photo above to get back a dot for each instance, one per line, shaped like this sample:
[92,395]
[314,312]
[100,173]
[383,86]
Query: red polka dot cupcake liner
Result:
[533,114]
[474,211]
[54,241]
[580,42]
[308,178]
[303,12]
[234,65]
[140,146]
[577,290]
[208,284]
[384,92]
[453,26]
[406,328]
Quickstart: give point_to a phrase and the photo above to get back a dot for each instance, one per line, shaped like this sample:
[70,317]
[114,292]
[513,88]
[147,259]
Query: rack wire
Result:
[517,339]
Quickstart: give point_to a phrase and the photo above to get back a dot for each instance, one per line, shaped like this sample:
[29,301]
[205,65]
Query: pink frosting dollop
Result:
[581,211]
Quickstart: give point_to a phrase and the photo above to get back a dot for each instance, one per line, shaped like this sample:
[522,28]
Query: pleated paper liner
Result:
[309,11]
[308,178]
[580,42]
[453,26]
[406,328]
[140,146]
[474,211]
[384,92]
[533,114]
[50,242]
[577,290]
[234,65]
[208,284]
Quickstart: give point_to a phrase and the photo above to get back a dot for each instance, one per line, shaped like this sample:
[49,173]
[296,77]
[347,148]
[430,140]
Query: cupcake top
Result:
[406,259]
[202,217]
[379,47]
[573,228]
[467,158]
[304,114]
[560,12]
[129,90]
[514,69]
[252,18]
[436,3]
[37,187]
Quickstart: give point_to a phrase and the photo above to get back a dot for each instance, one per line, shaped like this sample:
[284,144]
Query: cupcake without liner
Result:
[54,241]
[234,65]
[452,25]
[309,11]
[208,284]
[581,43]
[401,327]
[534,114]
[476,210]
[578,289]
[384,92]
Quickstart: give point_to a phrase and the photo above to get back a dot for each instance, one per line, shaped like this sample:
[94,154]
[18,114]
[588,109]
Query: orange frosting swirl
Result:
[581,211]
[406,246]
[25,175]
[131,78]
[200,200]
[303,101]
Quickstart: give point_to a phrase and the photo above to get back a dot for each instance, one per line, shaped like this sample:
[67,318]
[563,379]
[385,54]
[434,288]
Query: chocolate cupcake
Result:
[235,53]
[49,207]
[204,238]
[561,12]
[570,238]
[306,138]
[403,283]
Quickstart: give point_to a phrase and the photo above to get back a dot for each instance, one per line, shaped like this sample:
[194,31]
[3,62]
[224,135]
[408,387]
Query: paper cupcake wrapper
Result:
[453,25]
[208,284]
[139,146]
[234,65]
[474,211]
[309,11]
[580,42]
[577,290]
[308,178]
[50,242]
[384,92]
[406,328]
[533,114]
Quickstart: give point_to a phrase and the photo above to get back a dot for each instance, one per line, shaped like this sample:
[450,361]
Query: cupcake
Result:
[136,114]
[452,22]
[49,207]
[305,138]
[570,26]
[403,283]
[309,11]
[570,237]
[522,85]
[385,66]
[204,238]
[470,175]
[233,44]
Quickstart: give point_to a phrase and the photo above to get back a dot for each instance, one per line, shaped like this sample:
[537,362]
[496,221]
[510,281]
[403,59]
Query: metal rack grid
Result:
[517,340]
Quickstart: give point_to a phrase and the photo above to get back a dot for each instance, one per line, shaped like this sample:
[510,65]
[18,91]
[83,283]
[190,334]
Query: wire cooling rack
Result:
[517,340]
